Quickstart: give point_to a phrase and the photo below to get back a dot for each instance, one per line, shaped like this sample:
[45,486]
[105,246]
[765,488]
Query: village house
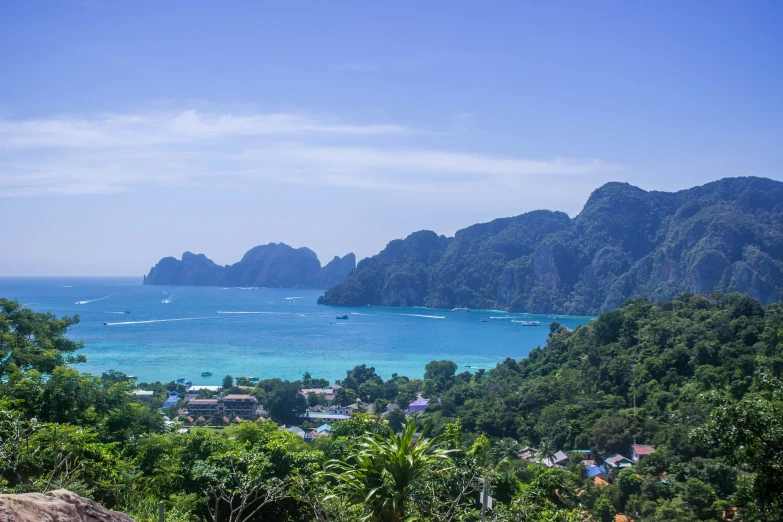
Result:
[559,459]
[618,461]
[203,407]
[242,406]
[640,450]
[358,407]
[143,395]
[419,405]
[527,453]
[586,455]
[327,392]
[171,400]
[237,405]
[597,471]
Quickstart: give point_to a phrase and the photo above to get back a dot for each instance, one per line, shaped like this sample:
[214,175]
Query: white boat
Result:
[460,309]
[528,323]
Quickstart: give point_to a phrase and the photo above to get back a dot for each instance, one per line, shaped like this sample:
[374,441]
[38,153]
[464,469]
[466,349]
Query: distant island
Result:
[725,236]
[275,265]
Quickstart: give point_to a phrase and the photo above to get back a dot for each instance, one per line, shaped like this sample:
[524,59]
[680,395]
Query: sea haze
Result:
[176,331]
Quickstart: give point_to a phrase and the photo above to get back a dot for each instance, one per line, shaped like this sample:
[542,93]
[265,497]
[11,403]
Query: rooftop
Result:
[196,402]
[238,397]
[643,449]
[559,457]
[593,471]
[326,416]
[318,391]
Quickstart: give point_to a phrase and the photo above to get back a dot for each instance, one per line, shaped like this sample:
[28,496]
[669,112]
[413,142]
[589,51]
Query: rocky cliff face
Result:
[274,265]
[335,271]
[56,506]
[725,236]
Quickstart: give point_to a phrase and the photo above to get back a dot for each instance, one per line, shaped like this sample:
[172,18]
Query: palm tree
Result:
[386,470]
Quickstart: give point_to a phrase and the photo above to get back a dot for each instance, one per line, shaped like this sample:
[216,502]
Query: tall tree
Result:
[284,403]
[386,472]
[34,340]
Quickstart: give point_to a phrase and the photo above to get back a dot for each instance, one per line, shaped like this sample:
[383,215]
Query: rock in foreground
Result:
[56,506]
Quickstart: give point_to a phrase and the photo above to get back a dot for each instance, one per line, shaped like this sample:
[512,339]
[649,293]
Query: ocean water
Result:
[175,331]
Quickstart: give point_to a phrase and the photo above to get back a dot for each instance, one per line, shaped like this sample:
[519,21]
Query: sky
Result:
[130,131]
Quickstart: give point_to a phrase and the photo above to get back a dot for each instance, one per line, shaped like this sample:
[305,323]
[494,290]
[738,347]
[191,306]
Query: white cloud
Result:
[117,152]
[128,130]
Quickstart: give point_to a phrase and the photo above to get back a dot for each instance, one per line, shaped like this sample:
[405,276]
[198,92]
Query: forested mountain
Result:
[272,265]
[724,236]
[706,376]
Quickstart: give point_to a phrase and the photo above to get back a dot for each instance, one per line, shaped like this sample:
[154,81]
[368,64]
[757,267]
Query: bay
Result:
[182,331]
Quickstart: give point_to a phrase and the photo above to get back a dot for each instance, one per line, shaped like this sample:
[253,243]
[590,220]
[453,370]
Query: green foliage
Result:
[750,432]
[345,397]
[706,373]
[396,419]
[33,340]
[386,471]
[284,403]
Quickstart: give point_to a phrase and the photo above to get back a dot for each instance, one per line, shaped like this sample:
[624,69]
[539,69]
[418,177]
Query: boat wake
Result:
[148,321]
[501,317]
[359,313]
[93,300]
[425,316]
[258,313]
[166,301]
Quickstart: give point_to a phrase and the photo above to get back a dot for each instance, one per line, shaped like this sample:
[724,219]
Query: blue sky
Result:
[130,131]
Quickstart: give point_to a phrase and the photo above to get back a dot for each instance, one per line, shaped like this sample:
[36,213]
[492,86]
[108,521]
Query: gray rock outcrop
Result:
[56,506]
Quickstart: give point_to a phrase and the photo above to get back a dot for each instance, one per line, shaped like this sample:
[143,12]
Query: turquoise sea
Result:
[176,331]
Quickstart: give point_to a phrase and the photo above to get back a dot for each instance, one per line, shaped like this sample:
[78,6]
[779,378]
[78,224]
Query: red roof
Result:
[643,449]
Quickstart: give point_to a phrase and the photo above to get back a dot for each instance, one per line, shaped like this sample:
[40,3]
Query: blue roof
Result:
[592,471]
[172,400]
[324,427]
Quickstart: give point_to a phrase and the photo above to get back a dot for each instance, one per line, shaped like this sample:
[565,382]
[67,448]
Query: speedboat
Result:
[206,374]
[180,379]
[126,312]
[460,309]
[188,383]
[342,317]
[105,324]
[254,379]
